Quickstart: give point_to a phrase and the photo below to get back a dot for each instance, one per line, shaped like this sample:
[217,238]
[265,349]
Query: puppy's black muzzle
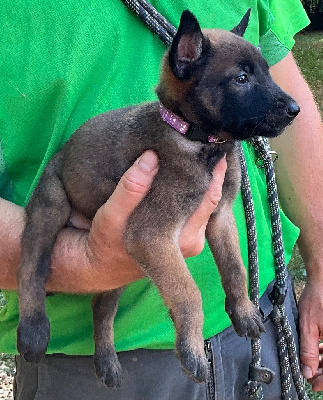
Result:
[279,115]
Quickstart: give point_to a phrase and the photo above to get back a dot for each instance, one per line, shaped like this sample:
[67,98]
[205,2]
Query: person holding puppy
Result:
[80,75]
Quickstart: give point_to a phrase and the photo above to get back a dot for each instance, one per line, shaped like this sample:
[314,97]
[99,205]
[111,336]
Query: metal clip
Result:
[259,373]
[278,294]
[260,163]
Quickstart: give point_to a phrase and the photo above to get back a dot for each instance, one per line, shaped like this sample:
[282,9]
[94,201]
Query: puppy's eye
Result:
[242,79]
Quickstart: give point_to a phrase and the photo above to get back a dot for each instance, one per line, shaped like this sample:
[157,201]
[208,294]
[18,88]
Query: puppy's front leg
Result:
[159,256]
[223,239]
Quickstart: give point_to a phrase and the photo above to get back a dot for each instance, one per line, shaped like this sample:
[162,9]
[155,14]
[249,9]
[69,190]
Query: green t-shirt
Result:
[65,61]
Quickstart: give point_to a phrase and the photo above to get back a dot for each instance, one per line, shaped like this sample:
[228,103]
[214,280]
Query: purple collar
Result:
[181,126]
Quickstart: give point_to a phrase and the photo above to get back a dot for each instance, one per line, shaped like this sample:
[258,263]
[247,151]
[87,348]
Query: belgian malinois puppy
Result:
[215,89]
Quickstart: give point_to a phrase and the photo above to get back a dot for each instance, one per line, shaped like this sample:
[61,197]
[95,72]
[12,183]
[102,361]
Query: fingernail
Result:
[147,161]
[307,372]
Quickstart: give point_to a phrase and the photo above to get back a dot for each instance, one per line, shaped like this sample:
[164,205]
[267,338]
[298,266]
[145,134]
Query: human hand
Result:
[311,331]
[104,244]
[132,191]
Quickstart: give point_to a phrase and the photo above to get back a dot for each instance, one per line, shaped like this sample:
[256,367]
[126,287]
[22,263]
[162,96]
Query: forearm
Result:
[299,169]
[12,224]
[71,269]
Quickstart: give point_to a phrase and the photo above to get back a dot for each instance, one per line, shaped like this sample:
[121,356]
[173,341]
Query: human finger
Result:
[193,234]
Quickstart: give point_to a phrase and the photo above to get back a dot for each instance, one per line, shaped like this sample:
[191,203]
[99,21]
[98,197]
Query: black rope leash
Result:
[257,372]
[153,19]
[286,345]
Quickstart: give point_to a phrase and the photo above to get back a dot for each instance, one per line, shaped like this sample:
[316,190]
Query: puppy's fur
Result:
[220,84]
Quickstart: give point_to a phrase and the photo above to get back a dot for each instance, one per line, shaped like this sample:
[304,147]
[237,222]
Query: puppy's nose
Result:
[290,106]
[292,109]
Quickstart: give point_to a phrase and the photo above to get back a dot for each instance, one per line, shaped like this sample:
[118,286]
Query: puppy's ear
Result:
[243,24]
[187,47]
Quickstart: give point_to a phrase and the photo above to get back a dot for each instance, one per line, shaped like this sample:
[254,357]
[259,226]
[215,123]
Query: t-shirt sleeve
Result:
[286,19]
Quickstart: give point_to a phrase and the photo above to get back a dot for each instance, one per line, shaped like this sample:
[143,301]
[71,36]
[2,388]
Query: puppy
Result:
[215,89]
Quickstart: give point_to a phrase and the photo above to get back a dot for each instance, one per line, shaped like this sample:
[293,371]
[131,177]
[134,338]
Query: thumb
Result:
[310,326]
[309,333]
[132,187]
[309,352]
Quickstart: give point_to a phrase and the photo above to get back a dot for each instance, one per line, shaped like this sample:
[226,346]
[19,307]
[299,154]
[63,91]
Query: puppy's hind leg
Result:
[46,213]
[108,368]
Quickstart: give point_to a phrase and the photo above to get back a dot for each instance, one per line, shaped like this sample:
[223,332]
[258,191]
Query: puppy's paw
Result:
[193,362]
[108,368]
[246,320]
[33,337]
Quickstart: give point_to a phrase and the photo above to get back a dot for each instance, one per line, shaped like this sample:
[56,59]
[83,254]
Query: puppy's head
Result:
[219,82]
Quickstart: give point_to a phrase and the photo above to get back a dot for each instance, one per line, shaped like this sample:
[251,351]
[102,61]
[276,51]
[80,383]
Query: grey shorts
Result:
[156,374]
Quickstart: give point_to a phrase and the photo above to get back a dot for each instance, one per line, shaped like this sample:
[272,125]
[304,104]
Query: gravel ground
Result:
[6,379]
[6,387]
